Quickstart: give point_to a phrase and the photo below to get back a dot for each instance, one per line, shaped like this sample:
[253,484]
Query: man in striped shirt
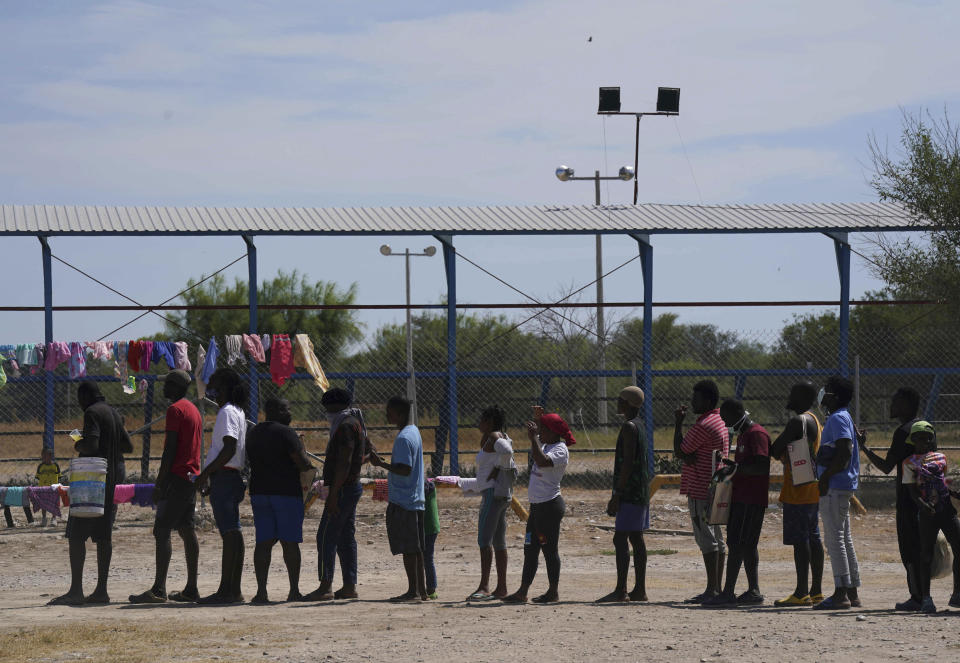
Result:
[696,450]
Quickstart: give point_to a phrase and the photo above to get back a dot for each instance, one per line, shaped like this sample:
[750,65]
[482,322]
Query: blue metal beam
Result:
[935,387]
[48,422]
[451,409]
[646,262]
[841,246]
[252,327]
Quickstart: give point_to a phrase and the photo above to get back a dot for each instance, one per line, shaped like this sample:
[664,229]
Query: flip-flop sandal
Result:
[147,597]
[480,596]
[181,597]
[543,598]
[512,599]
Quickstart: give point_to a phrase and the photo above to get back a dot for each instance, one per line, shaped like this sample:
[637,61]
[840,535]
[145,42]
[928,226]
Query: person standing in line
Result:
[706,439]
[801,504]
[924,475]
[838,466]
[405,511]
[336,535]
[222,479]
[549,438]
[174,491]
[630,503]
[748,503]
[495,473]
[904,406]
[277,458]
[431,530]
[48,473]
[103,437]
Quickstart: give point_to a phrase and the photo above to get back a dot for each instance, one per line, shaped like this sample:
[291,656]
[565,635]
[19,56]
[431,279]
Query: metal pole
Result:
[636,162]
[842,248]
[411,378]
[253,377]
[646,260]
[601,340]
[856,389]
[48,421]
[451,409]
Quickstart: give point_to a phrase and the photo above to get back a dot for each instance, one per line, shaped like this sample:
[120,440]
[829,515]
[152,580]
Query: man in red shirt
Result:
[175,492]
[751,485]
[700,450]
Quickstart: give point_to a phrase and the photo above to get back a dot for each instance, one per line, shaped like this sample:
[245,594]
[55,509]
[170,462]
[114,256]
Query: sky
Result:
[437,103]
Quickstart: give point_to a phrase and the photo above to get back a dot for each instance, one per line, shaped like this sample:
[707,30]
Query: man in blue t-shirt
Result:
[838,466]
[406,498]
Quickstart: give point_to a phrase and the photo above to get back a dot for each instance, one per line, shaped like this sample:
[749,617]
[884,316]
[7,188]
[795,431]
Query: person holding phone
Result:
[549,438]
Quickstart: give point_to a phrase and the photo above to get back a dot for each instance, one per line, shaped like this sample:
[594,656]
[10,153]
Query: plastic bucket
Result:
[88,487]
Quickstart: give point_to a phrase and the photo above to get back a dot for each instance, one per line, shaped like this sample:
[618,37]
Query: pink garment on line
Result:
[100,349]
[57,353]
[253,345]
[146,350]
[281,359]
[123,493]
[181,356]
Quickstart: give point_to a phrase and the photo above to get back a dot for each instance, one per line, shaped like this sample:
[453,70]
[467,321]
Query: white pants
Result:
[835,512]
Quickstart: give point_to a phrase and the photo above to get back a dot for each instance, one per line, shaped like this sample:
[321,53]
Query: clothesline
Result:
[282,352]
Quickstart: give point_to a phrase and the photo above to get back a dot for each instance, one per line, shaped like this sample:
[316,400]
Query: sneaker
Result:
[831,603]
[927,607]
[720,601]
[954,601]
[910,605]
[816,598]
[432,596]
[793,600]
[750,597]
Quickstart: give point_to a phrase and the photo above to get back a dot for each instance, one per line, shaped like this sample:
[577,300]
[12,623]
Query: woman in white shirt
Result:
[495,475]
[549,438]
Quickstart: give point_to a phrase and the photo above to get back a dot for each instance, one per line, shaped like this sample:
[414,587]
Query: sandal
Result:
[479,596]
[183,597]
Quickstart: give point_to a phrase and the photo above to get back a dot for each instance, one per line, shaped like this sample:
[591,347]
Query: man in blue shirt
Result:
[838,466]
[406,498]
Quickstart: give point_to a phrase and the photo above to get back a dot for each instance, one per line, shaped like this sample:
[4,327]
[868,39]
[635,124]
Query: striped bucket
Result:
[88,487]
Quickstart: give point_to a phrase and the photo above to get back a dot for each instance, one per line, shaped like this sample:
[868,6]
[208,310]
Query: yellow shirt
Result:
[48,474]
[806,494]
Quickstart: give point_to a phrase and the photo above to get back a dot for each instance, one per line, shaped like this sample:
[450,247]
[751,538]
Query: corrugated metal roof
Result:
[645,218]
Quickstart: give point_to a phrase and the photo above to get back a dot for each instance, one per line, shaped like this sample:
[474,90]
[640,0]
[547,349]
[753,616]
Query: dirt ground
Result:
[35,568]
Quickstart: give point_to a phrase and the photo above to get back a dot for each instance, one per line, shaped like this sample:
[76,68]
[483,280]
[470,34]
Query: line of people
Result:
[280,472]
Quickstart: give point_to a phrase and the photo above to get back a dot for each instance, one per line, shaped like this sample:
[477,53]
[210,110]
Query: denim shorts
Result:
[278,518]
[226,493]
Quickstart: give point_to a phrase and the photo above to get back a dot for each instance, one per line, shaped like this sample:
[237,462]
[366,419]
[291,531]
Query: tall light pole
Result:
[566,174]
[411,376]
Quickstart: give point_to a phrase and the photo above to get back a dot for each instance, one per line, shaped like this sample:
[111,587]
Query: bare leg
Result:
[486,561]
[621,544]
[291,558]
[191,550]
[639,592]
[104,555]
[412,568]
[78,556]
[261,567]
[501,559]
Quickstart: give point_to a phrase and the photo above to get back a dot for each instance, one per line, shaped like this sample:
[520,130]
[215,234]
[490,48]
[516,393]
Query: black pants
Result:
[929,526]
[908,534]
[9,516]
[543,533]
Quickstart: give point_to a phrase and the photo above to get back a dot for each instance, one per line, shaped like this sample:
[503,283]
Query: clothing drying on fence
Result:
[281,359]
[234,346]
[45,498]
[252,344]
[304,356]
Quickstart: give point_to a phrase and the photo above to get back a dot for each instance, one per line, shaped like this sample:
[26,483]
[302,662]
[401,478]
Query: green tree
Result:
[923,176]
[331,330]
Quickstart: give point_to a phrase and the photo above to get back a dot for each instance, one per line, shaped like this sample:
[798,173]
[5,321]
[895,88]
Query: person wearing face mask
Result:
[336,535]
[838,466]
[751,484]
[277,458]
[801,504]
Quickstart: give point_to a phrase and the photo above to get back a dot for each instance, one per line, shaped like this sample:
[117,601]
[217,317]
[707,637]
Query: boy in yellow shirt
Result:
[48,473]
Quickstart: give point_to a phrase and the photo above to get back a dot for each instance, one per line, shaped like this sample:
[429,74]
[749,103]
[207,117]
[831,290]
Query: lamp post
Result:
[566,174]
[411,377]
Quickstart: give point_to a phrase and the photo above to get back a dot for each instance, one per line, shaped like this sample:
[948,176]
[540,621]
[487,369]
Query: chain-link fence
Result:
[555,362]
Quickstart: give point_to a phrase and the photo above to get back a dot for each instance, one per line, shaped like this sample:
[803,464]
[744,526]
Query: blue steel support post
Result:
[842,248]
[48,421]
[935,387]
[646,261]
[451,409]
[252,298]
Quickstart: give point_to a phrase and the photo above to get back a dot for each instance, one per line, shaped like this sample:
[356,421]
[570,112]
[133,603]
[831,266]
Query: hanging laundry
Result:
[123,493]
[27,355]
[181,358]
[252,344]
[120,367]
[198,372]
[45,498]
[143,494]
[234,346]
[78,361]
[41,353]
[210,363]
[64,495]
[163,350]
[381,490]
[265,341]
[146,352]
[57,353]
[304,356]
[3,376]
[100,349]
[14,496]
[3,495]
[133,355]
[281,359]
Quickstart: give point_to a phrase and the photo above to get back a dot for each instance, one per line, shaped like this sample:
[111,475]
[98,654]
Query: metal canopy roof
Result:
[558,219]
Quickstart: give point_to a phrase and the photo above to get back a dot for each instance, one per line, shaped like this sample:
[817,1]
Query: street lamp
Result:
[668,103]
[411,377]
[626,173]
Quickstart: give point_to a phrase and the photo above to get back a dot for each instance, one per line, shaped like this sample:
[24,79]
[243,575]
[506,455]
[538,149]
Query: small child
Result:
[431,528]
[924,474]
[48,473]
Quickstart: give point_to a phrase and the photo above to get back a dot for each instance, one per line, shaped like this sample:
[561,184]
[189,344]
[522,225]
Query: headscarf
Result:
[556,423]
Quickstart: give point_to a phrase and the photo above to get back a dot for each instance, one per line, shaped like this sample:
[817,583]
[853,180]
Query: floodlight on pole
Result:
[411,375]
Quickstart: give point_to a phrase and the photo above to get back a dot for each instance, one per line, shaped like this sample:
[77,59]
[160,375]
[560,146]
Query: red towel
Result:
[380,490]
[281,358]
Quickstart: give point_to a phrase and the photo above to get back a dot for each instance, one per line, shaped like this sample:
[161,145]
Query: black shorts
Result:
[99,529]
[175,508]
[745,524]
[404,530]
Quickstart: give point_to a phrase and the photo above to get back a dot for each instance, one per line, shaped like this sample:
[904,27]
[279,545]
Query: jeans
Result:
[226,493]
[835,512]
[336,536]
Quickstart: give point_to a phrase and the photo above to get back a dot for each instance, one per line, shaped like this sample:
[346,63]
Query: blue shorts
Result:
[801,524]
[226,493]
[277,517]
[632,518]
